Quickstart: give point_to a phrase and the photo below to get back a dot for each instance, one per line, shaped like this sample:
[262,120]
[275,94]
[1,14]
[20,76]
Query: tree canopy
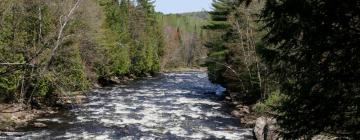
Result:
[309,53]
[312,51]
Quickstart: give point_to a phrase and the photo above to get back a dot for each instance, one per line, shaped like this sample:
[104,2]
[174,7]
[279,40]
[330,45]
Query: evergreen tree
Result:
[312,50]
[220,26]
[29,31]
[232,60]
[133,40]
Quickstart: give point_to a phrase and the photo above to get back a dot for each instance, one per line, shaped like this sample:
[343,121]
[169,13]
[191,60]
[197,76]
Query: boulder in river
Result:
[240,111]
[265,129]
[243,109]
[228,98]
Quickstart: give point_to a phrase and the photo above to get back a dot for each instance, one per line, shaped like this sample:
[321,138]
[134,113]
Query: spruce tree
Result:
[312,50]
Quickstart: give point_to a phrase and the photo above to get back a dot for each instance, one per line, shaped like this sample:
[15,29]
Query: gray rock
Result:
[265,129]
[235,103]
[243,109]
[323,137]
[228,98]
[237,114]
[115,79]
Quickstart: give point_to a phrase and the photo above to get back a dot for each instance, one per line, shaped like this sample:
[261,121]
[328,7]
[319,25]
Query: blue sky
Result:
[182,6]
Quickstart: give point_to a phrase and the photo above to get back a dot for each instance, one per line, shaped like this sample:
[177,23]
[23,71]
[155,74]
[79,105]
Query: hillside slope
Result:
[184,39]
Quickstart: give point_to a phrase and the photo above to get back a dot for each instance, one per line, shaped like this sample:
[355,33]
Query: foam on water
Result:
[174,106]
[57,120]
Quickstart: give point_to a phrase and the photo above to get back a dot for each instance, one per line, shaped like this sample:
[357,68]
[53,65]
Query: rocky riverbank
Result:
[240,110]
[171,106]
[14,116]
[264,126]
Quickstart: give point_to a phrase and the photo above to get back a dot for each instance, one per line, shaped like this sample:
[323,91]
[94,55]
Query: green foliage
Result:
[20,41]
[214,66]
[218,52]
[132,38]
[70,69]
[42,86]
[269,103]
[117,59]
[29,34]
[187,22]
[315,58]
[232,59]
[8,86]
[310,50]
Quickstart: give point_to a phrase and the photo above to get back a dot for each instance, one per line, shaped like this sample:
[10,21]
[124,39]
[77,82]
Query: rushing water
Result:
[171,106]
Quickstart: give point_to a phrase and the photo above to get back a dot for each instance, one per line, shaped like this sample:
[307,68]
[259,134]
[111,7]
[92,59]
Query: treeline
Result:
[49,49]
[133,37]
[233,61]
[297,60]
[184,39]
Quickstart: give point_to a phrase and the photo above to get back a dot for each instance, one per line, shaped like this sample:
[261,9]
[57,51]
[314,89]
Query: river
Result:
[169,106]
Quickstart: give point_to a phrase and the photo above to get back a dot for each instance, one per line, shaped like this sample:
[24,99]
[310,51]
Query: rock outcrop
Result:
[13,116]
[265,129]
[240,111]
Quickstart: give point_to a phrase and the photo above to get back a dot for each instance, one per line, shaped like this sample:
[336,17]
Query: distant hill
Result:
[204,15]
[186,21]
[184,39]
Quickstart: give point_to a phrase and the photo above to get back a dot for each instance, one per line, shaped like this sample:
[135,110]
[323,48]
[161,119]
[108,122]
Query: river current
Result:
[170,106]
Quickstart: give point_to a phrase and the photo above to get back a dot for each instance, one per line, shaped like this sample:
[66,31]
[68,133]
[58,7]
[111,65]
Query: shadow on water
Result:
[170,106]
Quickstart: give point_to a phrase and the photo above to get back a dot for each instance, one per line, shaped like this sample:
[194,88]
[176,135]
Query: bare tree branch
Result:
[63,22]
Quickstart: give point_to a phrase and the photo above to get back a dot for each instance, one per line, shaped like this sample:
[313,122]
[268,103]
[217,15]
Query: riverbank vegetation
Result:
[51,48]
[295,60]
[233,60]
[298,60]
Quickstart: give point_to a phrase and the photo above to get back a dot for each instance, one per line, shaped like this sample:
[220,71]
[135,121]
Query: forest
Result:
[49,48]
[296,61]
[184,39]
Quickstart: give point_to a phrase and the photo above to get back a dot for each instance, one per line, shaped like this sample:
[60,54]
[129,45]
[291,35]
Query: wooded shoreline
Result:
[294,62]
